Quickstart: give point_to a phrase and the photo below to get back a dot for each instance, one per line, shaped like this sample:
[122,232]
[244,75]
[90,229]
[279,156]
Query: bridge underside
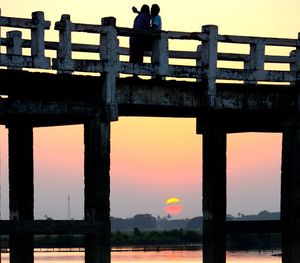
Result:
[42,99]
[49,99]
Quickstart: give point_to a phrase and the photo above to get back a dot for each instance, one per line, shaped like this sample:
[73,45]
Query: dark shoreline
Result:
[157,247]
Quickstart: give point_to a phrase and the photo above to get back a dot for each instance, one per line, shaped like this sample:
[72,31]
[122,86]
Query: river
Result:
[182,256]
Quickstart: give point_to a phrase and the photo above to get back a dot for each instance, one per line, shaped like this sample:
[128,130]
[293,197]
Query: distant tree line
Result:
[149,222]
[144,229]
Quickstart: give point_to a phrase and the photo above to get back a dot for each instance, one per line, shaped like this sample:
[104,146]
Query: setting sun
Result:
[173,206]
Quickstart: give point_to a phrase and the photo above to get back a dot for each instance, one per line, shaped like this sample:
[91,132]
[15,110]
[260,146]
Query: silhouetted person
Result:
[138,43]
[155,17]
[156,22]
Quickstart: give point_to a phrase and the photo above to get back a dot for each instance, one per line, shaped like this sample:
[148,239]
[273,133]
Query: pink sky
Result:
[152,159]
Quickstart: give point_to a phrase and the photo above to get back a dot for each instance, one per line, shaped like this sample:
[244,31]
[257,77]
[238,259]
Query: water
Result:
[183,256]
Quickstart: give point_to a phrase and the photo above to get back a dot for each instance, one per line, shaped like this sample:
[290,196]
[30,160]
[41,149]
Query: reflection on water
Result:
[151,256]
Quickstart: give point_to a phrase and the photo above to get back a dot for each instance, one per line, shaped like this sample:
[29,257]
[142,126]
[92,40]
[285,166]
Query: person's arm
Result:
[134,10]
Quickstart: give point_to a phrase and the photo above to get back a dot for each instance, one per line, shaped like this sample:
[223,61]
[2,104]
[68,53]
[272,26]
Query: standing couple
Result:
[144,21]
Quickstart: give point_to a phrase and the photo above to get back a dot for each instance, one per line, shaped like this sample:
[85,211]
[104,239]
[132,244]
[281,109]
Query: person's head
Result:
[145,9]
[155,10]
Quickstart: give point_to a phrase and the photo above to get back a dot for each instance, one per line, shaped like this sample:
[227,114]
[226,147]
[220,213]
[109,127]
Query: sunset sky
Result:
[153,159]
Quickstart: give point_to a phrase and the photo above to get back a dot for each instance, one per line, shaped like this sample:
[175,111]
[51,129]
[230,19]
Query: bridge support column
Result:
[290,195]
[20,141]
[214,195]
[97,188]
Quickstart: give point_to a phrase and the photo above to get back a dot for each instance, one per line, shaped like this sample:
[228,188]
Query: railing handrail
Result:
[269,41]
[93,48]
[21,22]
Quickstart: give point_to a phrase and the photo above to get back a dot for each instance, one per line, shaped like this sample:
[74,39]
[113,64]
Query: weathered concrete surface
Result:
[136,97]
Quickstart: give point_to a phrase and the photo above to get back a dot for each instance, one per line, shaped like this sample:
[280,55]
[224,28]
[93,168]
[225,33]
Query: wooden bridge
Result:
[37,89]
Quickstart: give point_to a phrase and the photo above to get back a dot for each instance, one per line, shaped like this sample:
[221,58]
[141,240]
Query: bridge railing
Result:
[14,57]
[206,56]
[254,62]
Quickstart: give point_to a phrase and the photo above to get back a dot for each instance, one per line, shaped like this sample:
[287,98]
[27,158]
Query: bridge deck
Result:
[69,99]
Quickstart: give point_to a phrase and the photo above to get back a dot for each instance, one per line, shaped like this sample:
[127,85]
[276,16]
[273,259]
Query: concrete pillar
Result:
[214,195]
[290,180]
[97,188]
[290,195]
[20,141]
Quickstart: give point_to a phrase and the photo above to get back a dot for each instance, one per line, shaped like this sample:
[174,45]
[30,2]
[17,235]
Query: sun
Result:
[173,206]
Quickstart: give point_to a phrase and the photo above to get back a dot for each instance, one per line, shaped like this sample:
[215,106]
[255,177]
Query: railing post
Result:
[64,53]
[209,61]
[293,63]
[160,53]
[297,61]
[109,55]
[14,49]
[38,41]
[297,69]
[199,60]
[256,59]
